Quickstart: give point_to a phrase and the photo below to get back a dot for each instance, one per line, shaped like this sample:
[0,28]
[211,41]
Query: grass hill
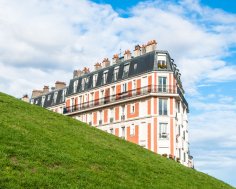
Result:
[42,149]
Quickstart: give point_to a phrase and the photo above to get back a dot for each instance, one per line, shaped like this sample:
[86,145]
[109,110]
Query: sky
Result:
[42,41]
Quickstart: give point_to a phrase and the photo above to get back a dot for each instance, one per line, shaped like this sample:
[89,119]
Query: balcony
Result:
[154,89]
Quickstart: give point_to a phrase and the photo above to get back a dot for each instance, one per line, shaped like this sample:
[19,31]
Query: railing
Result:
[160,89]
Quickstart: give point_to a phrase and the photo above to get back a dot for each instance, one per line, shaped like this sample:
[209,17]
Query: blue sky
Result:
[44,41]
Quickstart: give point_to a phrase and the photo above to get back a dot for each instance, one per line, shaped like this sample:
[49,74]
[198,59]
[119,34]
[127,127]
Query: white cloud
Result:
[44,41]
[68,34]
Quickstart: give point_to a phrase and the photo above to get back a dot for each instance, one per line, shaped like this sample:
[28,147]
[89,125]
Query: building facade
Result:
[139,98]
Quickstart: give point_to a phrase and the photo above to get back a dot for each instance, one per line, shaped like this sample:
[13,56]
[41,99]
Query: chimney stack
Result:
[151,46]
[115,58]
[25,98]
[97,66]
[143,49]
[45,89]
[137,51]
[127,55]
[36,93]
[105,62]
[77,73]
[86,70]
[60,85]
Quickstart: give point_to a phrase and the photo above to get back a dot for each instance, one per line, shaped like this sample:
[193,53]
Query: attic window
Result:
[162,64]
[135,67]
[84,82]
[126,70]
[105,73]
[75,86]
[55,97]
[95,76]
[116,71]
[49,96]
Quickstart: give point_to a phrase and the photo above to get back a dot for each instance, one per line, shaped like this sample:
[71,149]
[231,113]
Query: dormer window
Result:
[105,73]
[135,67]
[126,70]
[75,86]
[55,97]
[43,100]
[49,96]
[162,64]
[84,82]
[95,77]
[63,95]
[116,71]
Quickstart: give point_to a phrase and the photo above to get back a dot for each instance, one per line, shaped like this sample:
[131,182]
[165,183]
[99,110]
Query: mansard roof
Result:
[52,98]
[144,63]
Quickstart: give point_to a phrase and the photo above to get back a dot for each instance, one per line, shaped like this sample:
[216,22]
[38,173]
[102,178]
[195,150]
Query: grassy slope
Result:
[41,149]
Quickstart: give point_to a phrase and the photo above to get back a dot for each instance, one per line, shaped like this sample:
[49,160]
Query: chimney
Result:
[97,66]
[36,93]
[60,85]
[45,89]
[137,50]
[86,70]
[127,55]
[77,73]
[151,46]
[25,98]
[105,62]
[115,58]
[143,49]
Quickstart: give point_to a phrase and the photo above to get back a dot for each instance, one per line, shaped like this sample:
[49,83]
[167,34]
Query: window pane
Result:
[165,107]
[160,106]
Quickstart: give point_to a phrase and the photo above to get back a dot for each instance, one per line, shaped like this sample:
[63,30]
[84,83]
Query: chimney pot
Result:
[137,50]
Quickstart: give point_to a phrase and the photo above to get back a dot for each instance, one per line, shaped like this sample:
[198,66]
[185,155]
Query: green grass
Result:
[42,149]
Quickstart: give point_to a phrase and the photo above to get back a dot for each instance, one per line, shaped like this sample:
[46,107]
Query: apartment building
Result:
[138,97]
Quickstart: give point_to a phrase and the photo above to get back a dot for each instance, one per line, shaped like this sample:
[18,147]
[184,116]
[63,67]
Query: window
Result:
[55,97]
[75,86]
[132,108]
[49,96]
[161,84]
[162,106]
[135,67]
[43,99]
[184,135]
[124,87]
[105,73]
[63,95]
[134,84]
[84,80]
[116,71]
[111,112]
[132,130]
[122,132]
[126,71]
[111,130]
[162,64]
[163,131]
[95,77]
[100,115]
[178,107]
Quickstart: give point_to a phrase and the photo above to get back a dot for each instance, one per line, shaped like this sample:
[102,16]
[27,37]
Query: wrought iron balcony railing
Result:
[159,89]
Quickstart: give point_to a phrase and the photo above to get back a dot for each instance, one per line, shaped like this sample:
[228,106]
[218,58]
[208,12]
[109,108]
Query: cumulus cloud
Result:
[42,41]
[51,35]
